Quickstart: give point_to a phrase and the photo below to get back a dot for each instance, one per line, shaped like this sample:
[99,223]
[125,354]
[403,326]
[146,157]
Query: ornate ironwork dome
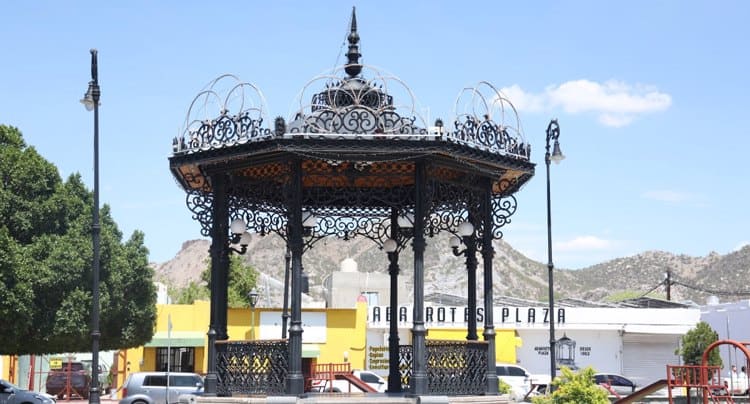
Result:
[358,144]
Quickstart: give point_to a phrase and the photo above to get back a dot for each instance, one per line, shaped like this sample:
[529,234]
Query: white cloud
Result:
[666,195]
[616,103]
[584,243]
[525,101]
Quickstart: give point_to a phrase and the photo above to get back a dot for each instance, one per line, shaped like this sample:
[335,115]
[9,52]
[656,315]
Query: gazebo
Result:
[355,160]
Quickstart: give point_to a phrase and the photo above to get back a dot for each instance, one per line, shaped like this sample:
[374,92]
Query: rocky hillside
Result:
[694,278]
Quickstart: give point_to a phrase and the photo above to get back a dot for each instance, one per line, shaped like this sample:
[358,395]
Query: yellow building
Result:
[331,335]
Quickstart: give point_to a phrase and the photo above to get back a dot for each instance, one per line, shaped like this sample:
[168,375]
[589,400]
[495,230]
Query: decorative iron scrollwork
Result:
[252,367]
[200,203]
[209,125]
[357,106]
[453,367]
[487,120]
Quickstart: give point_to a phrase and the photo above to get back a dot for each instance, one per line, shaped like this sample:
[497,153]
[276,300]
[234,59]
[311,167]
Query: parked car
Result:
[373,379]
[520,380]
[615,383]
[12,394]
[73,379]
[151,387]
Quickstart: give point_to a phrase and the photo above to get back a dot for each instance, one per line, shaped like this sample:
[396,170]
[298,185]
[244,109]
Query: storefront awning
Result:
[310,350]
[177,339]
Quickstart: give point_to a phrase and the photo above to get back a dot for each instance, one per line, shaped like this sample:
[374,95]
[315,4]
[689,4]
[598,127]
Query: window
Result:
[155,380]
[372,298]
[369,377]
[184,381]
[621,381]
[180,359]
[514,371]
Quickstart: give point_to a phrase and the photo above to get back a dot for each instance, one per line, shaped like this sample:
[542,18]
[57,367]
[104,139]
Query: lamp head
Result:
[557,155]
[406,220]
[390,245]
[253,297]
[309,220]
[88,100]
[465,229]
[245,239]
[454,242]
[238,226]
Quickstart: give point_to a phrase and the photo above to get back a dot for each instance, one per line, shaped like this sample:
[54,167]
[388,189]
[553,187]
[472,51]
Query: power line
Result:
[652,289]
[713,291]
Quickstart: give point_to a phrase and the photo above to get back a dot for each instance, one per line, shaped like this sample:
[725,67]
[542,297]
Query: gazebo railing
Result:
[251,367]
[453,367]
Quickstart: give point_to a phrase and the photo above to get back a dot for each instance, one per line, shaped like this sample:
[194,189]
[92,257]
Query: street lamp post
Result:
[253,297]
[553,133]
[91,102]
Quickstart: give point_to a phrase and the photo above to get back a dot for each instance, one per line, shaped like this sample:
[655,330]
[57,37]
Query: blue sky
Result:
[651,97]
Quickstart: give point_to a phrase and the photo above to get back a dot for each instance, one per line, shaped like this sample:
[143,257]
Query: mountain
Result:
[693,278]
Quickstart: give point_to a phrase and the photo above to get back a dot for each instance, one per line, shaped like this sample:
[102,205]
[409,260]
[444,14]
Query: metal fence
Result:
[261,367]
[453,367]
[251,367]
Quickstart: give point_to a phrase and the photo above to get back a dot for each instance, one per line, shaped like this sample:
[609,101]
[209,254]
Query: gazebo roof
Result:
[358,144]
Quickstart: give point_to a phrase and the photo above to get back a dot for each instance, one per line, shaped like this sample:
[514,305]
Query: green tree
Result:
[45,262]
[574,388]
[695,342]
[190,293]
[242,279]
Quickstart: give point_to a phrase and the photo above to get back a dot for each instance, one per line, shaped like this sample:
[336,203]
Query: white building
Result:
[730,321]
[637,342]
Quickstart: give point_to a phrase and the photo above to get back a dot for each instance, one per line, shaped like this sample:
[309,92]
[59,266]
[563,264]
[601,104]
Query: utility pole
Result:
[669,284]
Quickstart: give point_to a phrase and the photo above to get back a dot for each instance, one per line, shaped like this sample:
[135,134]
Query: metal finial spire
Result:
[353,68]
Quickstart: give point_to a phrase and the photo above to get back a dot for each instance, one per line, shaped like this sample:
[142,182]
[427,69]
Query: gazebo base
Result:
[353,398]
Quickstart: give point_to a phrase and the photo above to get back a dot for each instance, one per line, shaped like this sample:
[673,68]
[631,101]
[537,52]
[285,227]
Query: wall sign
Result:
[377,357]
[459,316]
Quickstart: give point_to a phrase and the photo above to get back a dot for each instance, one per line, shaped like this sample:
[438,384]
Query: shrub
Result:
[574,388]
[503,387]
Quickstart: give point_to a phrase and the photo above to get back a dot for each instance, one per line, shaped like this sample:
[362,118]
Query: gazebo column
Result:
[394,373]
[419,383]
[295,382]
[487,254]
[471,269]
[217,328]
[222,287]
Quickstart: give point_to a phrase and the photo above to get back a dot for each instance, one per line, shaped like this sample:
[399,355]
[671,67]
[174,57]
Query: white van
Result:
[520,380]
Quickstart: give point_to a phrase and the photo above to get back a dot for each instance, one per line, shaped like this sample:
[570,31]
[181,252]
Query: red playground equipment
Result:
[707,379]
[704,377]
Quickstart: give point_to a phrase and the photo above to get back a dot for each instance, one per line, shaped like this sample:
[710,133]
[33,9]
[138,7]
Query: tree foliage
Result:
[242,279]
[574,388]
[46,262]
[695,342]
